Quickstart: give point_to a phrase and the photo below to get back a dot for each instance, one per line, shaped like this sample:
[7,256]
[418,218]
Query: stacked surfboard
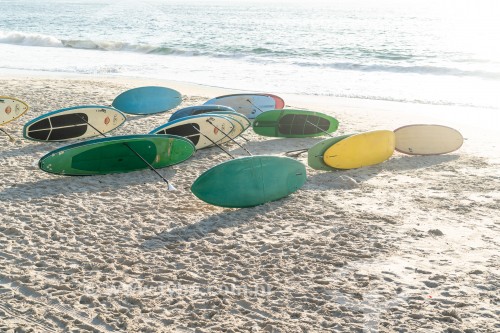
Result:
[115,154]
[240,182]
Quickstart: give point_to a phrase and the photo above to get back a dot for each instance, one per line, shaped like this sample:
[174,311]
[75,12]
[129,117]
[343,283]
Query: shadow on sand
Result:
[396,164]
[213,224]
[67,185]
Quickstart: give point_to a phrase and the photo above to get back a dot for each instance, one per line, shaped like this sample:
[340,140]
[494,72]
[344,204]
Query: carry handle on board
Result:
[170,187]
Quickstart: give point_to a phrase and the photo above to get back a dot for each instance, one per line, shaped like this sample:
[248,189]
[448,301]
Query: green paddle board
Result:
[315,153]
[117,154]
[288,123]
[249,181]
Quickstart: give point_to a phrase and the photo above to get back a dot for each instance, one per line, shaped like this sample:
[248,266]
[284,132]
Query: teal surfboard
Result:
[147,100]
[289,123]
[117,154]
[315,153]
[249,181]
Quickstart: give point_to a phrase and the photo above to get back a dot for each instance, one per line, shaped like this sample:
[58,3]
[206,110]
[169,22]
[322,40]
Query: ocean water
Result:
[418,51]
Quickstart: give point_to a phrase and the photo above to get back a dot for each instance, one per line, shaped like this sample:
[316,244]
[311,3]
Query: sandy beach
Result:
[409,245]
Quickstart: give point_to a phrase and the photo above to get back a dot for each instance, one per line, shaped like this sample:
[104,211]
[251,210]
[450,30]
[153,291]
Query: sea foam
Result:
[29,39]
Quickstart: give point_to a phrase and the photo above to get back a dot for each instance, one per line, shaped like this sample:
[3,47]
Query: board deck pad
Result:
[73,123]
[147,100]
[198,109]
[249,181]
[361,150]
[425,139]
[116,155]
[316,152]
[211,127]
[190,131]
[11,108]
[289,123]
[240,118]
[251,105]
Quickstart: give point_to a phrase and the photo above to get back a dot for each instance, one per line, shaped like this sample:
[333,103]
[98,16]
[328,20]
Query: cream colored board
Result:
[423,139]
[11,109]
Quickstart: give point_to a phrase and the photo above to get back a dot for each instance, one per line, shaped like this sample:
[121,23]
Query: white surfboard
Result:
[422,139]
[203,130]
[251,105]
[11,109]
[77,122]
[238,127]
[244,121]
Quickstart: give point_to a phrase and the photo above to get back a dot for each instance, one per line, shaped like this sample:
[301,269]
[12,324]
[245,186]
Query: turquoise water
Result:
[437,52]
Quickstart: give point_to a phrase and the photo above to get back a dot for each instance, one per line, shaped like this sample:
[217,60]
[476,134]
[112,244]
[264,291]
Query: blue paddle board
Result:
[147,100]
[198,109]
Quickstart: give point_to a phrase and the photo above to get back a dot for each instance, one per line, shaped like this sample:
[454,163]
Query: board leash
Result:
[197,130]
[296,152]
[11,138]
[227,136]
[170,187]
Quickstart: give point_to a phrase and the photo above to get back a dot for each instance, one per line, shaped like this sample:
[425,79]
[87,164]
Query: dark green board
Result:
[315,153]
[288,123]
[250,181]
[116,155]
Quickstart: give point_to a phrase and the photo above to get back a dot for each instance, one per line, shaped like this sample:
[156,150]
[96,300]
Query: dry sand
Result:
[410,245]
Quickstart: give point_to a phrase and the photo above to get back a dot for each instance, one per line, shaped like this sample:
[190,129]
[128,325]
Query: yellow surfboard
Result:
[361,150]
[11,108]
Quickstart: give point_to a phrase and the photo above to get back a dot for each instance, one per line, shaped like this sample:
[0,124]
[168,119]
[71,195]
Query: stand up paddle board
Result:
[73,123]
[203,130]
[147,100]
[249,181]
[427,139]
[316,152]
[241,119]
[250,105]
[11,108]
[360,150]
[288,123]
[198,109]
[117,154]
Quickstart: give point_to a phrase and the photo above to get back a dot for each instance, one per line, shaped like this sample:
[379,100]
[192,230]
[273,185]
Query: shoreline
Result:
[477,125]
[405,245]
